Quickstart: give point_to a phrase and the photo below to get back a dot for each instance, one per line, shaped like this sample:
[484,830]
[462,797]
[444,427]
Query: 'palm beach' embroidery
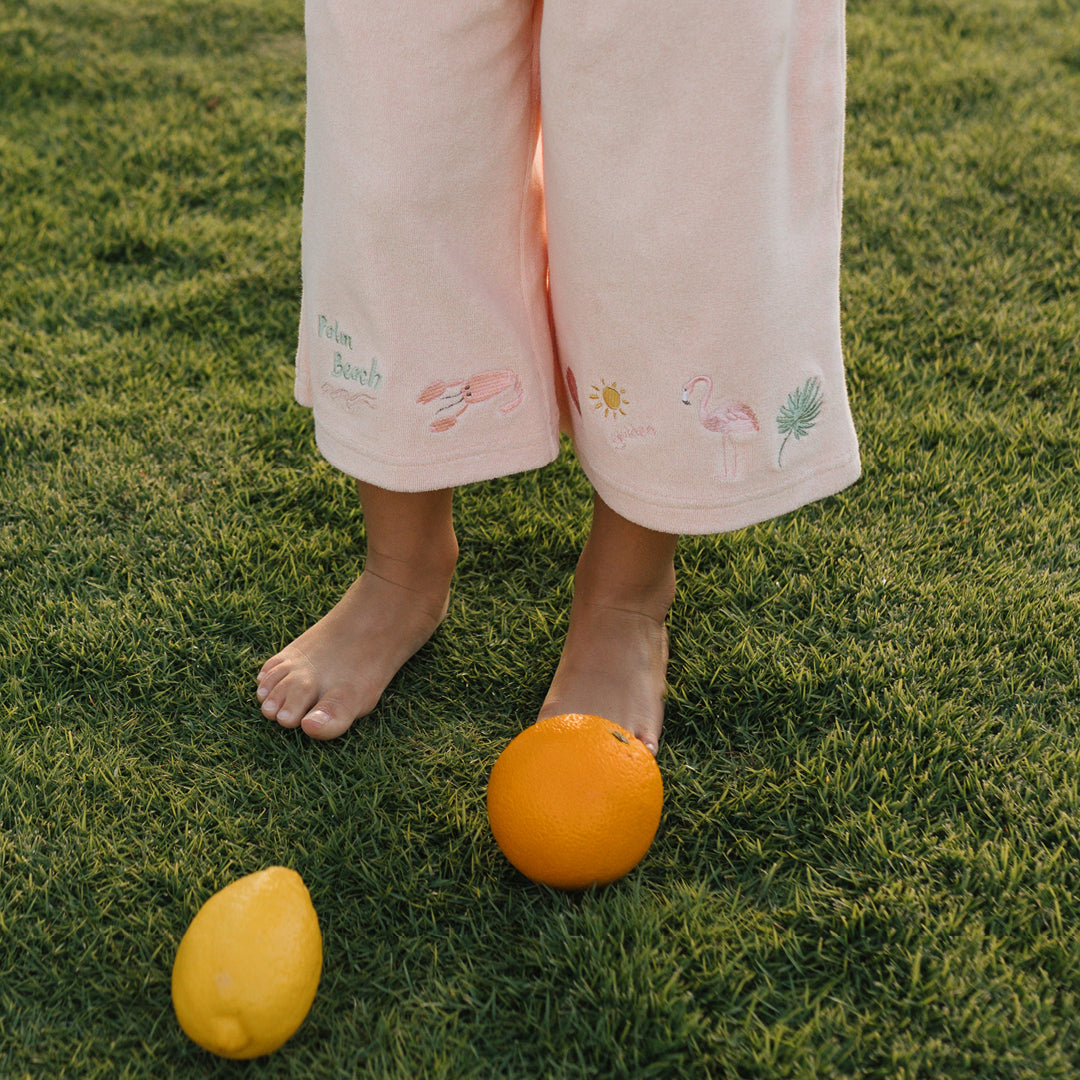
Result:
[731,420]
[454,398]
[799,416]
[610,398]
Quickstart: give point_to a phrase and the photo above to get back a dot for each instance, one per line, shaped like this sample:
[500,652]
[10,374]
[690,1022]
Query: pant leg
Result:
[425,346]
[692,161]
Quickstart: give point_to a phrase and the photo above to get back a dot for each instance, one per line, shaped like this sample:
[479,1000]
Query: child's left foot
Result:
[614,665]
[614,662]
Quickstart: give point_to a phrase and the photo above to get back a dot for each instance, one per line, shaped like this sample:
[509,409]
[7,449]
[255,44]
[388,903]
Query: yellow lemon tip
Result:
[227,1036]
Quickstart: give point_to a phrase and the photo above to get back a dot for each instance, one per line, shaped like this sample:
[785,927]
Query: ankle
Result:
[427,565]
[647,590]
[626,566]
[410,536]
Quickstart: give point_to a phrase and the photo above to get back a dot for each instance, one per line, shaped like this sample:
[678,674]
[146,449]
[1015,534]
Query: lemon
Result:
[247,967]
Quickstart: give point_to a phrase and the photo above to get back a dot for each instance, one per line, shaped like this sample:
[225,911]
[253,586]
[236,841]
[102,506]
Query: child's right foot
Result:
[336,671]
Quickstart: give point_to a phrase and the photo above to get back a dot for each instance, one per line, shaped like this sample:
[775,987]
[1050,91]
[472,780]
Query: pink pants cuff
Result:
[662,279]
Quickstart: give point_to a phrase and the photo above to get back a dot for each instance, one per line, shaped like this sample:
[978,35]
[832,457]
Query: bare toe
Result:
[328,720]
[337,670]
[268,680]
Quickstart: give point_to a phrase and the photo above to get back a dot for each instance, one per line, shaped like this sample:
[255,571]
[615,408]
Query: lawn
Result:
[869,860]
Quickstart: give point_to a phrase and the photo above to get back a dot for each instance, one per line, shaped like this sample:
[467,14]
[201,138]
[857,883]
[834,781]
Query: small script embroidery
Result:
[340,368]
[620,438]
[334,332]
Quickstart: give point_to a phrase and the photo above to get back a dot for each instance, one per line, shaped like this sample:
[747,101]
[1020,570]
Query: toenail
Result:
[318,718]
[262,692]
[285,715]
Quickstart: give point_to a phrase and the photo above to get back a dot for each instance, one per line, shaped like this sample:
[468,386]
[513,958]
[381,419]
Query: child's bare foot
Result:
[337,670]
[614,661]
[613,665]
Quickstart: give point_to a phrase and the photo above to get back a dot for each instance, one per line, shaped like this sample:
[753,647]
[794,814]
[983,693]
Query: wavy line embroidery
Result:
[351,402]
[800,415]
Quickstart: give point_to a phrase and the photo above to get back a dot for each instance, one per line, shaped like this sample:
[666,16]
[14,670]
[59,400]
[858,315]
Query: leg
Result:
[692,169]
[615,657]
[424,274]
[424,265]
[337,670]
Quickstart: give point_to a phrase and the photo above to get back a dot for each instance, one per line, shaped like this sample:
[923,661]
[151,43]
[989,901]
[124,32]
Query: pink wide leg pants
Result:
[662,279]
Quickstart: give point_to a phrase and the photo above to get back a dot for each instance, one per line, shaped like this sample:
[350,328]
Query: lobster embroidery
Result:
[456,397]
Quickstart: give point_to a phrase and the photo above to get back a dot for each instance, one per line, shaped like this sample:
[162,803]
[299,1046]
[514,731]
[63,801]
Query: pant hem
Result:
[751,509]
[413,476]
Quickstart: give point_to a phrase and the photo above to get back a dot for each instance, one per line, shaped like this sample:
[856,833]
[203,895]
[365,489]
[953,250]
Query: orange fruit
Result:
[575,801]
[248,966]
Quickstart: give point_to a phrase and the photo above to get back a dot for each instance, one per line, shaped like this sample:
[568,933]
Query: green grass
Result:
[869,861]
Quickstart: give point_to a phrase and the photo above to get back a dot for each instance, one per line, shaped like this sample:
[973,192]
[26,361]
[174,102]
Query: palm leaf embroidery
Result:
[798,417]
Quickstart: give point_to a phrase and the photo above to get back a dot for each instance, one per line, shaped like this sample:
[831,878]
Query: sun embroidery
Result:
[610,398]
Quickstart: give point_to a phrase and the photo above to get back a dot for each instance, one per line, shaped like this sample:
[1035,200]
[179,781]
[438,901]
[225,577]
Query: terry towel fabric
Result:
[662,277]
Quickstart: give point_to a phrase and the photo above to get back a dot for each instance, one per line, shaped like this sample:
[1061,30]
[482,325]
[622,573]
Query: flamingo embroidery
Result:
[730,420]
[456,397]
